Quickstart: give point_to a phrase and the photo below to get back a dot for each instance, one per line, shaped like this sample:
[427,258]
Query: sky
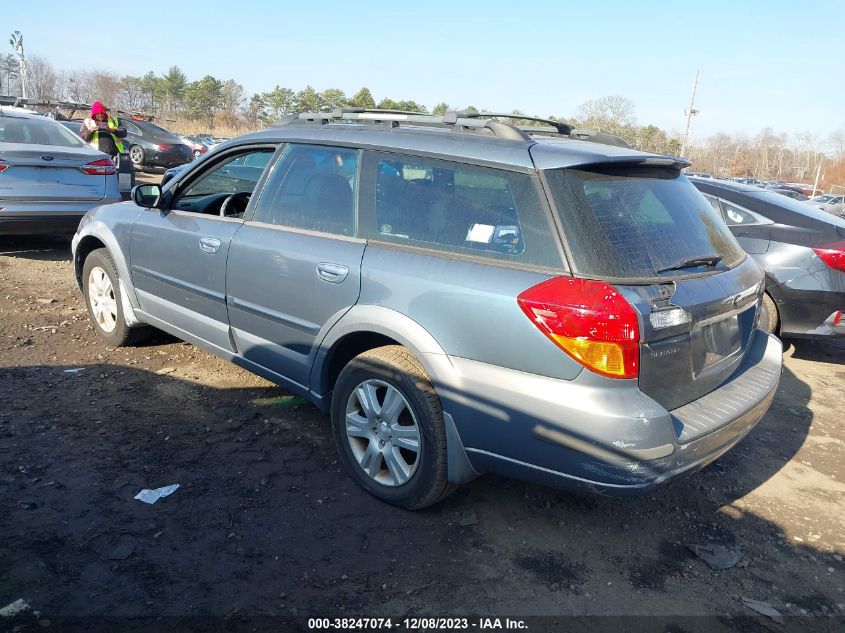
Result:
[762,64]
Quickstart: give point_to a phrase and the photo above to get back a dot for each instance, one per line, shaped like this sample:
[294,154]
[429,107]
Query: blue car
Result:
[460,295]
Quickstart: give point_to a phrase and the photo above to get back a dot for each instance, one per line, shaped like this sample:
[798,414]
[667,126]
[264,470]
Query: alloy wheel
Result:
[383,433]
[102,299]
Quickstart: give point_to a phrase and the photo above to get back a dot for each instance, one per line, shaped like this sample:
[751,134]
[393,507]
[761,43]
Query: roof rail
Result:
[459,121]
[395,118]
[560,126]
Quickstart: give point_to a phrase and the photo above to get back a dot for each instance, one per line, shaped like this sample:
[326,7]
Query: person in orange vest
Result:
[102,131]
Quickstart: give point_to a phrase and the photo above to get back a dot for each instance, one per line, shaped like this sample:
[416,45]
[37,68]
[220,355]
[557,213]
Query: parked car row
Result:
[464,296]
[830,203]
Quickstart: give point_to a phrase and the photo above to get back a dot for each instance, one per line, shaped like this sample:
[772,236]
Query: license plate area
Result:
[716,342]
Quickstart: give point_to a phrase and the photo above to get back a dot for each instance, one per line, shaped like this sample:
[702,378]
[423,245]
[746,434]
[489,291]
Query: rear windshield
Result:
[36,131]
[632,222]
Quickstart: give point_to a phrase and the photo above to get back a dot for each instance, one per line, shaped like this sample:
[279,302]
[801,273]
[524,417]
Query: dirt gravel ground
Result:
[265,523]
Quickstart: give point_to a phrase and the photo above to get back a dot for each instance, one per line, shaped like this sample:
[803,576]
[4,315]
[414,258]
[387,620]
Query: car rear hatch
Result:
[638,225]
[52,173]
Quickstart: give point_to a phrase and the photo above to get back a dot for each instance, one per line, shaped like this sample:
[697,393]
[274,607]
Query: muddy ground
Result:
[265,522]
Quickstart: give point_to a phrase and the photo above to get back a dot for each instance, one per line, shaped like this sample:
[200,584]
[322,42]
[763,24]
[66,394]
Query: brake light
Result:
[832,254]
[589,320]
[166,146]
[102,167]
[3,165]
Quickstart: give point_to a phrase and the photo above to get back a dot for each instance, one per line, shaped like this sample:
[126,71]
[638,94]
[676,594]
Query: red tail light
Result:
[3,165]
[832,254]
[166,146]
[102,167]
[589,320]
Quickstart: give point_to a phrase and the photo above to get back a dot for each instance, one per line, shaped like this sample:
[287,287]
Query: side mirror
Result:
[147,196]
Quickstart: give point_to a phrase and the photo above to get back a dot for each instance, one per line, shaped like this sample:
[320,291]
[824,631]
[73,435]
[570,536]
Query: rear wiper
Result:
[707,260]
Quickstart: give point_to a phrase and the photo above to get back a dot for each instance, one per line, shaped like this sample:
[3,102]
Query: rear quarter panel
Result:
[469,307]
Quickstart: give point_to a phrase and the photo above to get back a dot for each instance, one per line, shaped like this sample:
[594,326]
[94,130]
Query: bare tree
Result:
[43,80]
[613,114]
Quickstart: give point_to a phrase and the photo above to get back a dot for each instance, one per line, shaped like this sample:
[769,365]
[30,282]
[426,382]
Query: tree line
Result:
[210,104]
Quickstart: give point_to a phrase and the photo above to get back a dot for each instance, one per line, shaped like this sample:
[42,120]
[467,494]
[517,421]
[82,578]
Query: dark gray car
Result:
[802,251]
[462,295]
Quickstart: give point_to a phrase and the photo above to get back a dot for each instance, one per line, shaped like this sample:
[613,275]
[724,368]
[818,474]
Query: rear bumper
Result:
[808,305]
[614,440]
[65,224]
[40,218]
[167,158]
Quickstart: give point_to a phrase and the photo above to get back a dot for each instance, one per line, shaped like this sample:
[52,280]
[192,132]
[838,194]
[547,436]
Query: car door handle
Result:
[333,273]
[209,244]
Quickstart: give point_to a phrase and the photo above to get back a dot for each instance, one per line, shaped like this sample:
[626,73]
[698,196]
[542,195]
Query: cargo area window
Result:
[632,221]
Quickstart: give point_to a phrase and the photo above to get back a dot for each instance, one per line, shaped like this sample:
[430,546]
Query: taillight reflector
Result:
[589,320]
[102,167]
[832,254]
[3,165]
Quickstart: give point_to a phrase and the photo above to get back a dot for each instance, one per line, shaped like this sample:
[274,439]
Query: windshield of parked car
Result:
[824,198]
[631,222]
[36,131]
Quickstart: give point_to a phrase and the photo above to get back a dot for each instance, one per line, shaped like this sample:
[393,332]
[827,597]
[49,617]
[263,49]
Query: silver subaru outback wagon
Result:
[463,296]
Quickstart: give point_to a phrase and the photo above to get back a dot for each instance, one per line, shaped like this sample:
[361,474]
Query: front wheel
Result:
[101,288]
[388,427]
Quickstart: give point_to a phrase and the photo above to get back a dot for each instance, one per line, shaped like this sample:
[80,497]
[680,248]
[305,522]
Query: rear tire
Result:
[769,314]
[388,427]
[136,155]
[101,290]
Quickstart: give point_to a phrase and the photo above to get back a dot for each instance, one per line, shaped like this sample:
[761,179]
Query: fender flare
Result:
[414,337]
[386,322]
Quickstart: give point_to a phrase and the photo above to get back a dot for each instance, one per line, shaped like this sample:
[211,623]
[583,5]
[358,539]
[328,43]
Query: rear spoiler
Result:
[672,162]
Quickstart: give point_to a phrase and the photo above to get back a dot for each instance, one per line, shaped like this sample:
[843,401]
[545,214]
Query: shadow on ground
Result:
[265,522]
[52,248]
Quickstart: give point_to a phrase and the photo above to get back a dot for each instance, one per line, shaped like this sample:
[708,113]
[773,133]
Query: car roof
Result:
[730,185]
[21,112]
[450,143]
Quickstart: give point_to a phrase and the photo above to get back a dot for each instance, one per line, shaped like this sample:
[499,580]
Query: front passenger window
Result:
[225,188]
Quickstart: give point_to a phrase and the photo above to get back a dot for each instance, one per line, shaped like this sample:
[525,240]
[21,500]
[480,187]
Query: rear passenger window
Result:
[311,187]
[455,207]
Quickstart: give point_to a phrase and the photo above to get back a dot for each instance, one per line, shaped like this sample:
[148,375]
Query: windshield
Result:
[631,222]
[824,198]
[36,131]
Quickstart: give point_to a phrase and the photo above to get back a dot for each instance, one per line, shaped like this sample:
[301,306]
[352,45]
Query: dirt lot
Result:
[265,523]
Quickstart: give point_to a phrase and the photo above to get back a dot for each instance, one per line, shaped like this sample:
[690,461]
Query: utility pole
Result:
[690,113]
[16,40]
[816,183]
